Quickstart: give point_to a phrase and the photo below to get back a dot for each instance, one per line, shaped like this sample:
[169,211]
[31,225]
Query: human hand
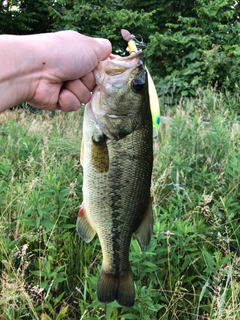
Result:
[50,71]
[66,79]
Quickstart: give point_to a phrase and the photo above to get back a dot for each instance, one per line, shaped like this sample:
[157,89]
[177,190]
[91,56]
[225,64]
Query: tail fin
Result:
[116,287]
[125,292]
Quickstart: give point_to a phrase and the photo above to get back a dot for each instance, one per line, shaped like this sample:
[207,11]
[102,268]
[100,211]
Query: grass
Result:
[192,265]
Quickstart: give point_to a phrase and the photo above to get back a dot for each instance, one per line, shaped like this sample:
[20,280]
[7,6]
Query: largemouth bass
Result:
[117,158]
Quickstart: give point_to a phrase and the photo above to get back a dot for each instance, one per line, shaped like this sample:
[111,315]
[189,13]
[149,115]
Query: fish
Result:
[117,161]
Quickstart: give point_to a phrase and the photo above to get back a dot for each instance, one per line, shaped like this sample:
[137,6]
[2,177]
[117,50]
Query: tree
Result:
[190,44]
[25,16]
[199,49]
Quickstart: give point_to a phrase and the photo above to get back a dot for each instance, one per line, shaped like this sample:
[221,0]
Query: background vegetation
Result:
[190,44]
[192,266]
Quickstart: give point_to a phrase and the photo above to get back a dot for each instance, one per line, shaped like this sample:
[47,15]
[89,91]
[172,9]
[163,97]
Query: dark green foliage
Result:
[25,17]
[189,44]
[198,49]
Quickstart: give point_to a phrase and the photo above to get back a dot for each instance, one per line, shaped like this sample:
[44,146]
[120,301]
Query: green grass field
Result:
[191,269]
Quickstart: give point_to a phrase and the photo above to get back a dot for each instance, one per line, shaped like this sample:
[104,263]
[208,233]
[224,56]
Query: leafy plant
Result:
[190,269]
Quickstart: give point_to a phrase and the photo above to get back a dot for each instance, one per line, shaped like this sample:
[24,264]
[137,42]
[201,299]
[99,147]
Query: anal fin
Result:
[144,231]
[83,226]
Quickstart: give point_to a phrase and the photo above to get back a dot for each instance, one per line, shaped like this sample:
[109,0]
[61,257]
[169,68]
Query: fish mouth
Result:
[116,70]
[118,64]
[121,84]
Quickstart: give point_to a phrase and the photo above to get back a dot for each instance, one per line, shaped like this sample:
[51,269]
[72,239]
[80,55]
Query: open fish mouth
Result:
[120,64]
[116,70]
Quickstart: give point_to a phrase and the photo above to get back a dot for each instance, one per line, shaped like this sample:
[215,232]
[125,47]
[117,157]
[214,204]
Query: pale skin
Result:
[50,71]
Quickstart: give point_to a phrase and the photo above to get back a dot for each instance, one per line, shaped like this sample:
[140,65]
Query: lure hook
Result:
[138,42]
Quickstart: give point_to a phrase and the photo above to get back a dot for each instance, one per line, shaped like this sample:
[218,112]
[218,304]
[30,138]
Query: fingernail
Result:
[105,43]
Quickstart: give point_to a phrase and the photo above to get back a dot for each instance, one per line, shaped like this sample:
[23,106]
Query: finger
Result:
[89,81]
[95,50]
[67,101]
[102,48]
[79,90]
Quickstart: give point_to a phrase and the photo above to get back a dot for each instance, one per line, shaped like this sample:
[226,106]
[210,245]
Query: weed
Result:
[192,265]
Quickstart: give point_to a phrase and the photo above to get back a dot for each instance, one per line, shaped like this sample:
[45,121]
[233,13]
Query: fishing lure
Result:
[154,102]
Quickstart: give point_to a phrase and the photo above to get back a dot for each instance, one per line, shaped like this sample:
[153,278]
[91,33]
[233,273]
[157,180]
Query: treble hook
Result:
[140,43]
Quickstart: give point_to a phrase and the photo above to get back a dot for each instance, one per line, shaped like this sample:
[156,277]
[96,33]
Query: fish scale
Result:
[117,161]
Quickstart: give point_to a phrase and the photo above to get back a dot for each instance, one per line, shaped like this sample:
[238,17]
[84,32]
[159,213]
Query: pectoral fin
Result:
[99,152]
[83,226]
[144,231]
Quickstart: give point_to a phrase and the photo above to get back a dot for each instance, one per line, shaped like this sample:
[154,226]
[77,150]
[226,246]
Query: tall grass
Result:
[192,265]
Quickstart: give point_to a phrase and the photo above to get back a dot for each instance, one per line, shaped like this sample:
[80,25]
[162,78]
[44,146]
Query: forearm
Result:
[18,70]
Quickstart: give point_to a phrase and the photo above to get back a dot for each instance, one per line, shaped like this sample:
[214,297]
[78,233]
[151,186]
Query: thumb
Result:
[102,48]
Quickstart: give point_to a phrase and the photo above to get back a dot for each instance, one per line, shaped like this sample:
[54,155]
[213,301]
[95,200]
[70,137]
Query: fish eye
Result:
[137,84]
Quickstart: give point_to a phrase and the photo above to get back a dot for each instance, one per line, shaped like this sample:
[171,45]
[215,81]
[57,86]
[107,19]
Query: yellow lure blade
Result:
[154,102]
